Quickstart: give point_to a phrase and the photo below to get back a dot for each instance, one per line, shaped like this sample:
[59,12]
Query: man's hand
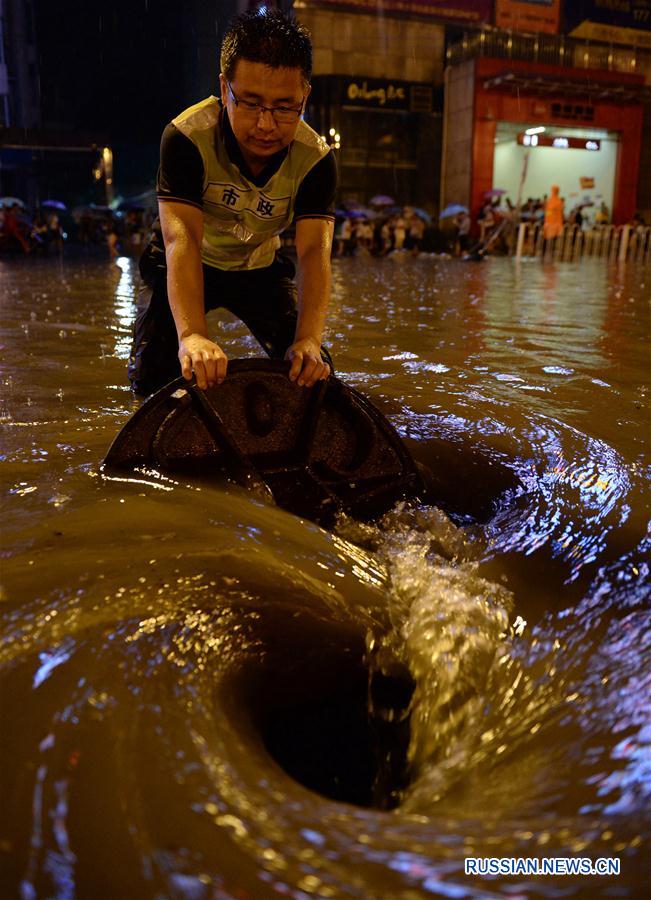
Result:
[201,355]
[307,365]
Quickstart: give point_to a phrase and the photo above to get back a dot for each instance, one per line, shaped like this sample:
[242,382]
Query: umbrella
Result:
[453,210]
[494,192]
[382,200]
[54,204]
[422,214]
[10,201]
[361,212]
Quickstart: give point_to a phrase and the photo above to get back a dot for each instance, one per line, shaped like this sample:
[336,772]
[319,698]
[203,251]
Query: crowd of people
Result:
[497,220]
[358,230]
[47,228]
[125,232]
[379,232]
[21,232]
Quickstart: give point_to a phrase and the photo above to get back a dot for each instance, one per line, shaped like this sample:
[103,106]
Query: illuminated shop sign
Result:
[560,142]
[379,94]
[376,95]
[612,21]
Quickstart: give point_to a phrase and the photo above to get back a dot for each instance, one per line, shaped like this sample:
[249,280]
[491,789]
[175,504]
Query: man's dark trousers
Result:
[264,299]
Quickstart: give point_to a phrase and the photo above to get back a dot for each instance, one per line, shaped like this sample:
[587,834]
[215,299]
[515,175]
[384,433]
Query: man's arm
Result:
[182,226]
[313,247]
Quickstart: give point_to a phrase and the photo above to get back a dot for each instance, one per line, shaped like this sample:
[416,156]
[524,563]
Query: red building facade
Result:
[516,95]
[549,95]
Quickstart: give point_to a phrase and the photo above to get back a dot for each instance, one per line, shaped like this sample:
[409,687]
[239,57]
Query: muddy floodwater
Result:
[206,697]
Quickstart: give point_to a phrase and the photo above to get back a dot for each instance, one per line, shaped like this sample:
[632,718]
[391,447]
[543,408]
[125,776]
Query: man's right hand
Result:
[202,356]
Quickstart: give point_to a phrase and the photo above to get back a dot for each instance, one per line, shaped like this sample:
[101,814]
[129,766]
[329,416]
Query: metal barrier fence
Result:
[614,242]
[550,49]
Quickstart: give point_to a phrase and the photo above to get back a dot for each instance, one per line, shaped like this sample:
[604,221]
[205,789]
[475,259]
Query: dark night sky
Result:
[120,70]
[127,66]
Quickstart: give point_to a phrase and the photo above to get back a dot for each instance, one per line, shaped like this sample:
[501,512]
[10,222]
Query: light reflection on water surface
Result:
[152,636]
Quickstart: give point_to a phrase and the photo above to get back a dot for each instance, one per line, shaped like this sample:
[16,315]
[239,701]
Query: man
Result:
[230,180]
[553,221]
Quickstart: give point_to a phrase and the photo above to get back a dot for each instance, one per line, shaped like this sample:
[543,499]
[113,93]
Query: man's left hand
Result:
[307,366]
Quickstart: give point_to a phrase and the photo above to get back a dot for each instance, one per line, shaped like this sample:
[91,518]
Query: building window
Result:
[576,111]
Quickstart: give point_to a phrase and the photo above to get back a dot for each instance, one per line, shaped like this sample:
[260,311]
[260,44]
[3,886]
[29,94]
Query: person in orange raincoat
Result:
[554,215]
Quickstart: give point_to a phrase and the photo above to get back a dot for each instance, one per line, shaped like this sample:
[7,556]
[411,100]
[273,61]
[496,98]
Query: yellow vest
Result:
[241,221]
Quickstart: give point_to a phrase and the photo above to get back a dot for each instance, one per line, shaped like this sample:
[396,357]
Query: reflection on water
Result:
[124,296]
[183,667]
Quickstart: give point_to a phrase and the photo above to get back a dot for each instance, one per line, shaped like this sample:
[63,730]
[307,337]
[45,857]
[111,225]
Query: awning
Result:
[546,86]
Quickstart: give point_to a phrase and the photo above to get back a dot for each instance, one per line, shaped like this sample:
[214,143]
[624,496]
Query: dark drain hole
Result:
[331,742]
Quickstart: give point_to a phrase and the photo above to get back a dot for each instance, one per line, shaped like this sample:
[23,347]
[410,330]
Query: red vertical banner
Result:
[528,15]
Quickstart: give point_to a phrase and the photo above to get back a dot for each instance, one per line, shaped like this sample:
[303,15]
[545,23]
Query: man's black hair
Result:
[266,36]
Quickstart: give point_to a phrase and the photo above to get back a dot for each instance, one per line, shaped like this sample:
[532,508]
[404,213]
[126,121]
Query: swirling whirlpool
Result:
[206,697]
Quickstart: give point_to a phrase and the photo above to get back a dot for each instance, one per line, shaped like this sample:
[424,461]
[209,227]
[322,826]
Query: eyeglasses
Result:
[284,115]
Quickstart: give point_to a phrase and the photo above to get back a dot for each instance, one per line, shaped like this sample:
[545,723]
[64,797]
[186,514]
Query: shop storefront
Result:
[530,157]
[585,133]
[390,135]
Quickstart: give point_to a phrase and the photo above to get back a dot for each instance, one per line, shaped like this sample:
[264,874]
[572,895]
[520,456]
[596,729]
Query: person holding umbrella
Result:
[12,229]
[416,233]
[486,220]
[462,222]
[53,233]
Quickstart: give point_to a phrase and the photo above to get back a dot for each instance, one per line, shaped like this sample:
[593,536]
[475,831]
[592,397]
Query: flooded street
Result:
[204,696]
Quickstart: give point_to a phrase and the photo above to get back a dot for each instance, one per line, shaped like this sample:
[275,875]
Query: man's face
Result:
[258,133]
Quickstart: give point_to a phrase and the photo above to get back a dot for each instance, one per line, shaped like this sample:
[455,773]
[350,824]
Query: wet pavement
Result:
[186,669]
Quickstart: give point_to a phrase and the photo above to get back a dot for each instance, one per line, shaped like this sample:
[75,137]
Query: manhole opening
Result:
[339,735]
